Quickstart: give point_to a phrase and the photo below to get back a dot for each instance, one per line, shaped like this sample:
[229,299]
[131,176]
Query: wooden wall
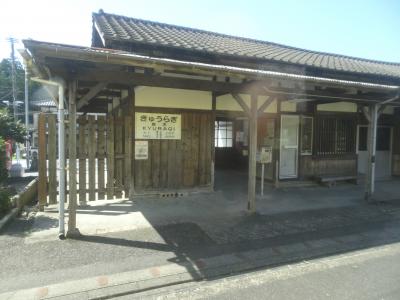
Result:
[316,166]
[396,150]
[179,164]
[105,157]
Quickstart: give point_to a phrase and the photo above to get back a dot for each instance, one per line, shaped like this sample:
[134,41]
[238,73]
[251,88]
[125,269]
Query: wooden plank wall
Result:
[310,167]
[396,150]
[104,154]
[105,157]
[179,164]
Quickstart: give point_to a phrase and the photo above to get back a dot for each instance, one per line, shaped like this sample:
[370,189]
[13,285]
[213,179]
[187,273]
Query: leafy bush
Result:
[10,129]
[5,202]
[3,170]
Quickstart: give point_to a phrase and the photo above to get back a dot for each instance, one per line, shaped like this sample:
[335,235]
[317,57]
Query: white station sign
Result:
[153,126]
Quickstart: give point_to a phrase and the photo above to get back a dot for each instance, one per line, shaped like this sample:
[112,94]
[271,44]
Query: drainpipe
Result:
[61,151]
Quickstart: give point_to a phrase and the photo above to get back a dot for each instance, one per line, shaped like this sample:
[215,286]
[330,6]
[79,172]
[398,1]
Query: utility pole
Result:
[13,77]
[27,142]
[14,87]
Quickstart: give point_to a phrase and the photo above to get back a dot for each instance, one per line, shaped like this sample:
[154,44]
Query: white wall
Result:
[172,98]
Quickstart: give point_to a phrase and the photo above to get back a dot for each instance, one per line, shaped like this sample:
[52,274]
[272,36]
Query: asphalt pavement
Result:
[367,274]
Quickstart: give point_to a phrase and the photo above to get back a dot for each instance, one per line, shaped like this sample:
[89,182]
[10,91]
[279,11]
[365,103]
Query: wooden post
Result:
[82,160]
[251,197]
[92,157]
[110,156]
[277,142]
[42,159]
[100,157]
[131,95]
[127,153]
[72,230]
[262,178]
[52,154]
[372,134]
[213,119]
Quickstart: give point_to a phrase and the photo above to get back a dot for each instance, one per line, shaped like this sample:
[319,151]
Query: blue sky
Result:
[368,29]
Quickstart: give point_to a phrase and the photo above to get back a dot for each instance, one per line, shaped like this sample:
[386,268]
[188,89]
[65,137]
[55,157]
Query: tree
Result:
[5,80]
[9,130]
[6,96]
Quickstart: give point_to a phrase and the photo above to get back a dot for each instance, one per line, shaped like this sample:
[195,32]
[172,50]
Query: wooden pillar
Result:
[132,110]
[82,159]
[110,156]
[72,230]
[42,161]
[277,143]
[92,143]
[372,134]
[52,157]
[251,196]
[213,119]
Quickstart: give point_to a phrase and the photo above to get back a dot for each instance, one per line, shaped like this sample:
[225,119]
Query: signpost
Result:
[265,158]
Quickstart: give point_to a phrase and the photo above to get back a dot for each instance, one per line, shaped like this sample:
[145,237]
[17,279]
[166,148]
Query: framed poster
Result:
[153,126]
[141,150]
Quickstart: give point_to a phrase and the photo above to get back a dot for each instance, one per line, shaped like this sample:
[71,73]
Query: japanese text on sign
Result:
[157,126]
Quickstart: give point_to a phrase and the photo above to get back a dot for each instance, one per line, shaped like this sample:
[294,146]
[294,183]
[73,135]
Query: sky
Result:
[368,29]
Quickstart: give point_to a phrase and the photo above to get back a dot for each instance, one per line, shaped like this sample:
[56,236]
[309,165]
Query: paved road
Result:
[26,264]
[367,274]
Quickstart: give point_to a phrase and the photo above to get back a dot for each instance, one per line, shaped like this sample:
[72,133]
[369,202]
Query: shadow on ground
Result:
[196,229]
[148,232]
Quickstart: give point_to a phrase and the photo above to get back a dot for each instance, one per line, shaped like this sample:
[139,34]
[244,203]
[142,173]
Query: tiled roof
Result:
[131,30]
[41,97]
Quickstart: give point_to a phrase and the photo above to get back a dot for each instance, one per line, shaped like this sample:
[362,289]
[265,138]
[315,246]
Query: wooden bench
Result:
[330,180]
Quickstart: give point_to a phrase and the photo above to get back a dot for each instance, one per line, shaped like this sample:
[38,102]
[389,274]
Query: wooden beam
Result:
[241,102]
[381,109]
[260,87]
[266,104]
[251,195]
[91,94]
[126,101]
[366,114]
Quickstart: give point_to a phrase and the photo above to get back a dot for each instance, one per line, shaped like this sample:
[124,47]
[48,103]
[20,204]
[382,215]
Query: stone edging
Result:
[18,201]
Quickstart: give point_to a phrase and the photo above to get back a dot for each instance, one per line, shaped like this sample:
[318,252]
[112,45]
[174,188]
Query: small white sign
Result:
[141,150]
[153,126]
[266,155]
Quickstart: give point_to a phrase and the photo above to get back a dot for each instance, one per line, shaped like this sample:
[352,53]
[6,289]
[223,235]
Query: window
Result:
[335,135]
[223,134]
[383,139]
[306,135]
[363,138]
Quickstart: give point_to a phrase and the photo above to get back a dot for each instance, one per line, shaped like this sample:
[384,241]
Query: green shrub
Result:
[5,202]
[3,170]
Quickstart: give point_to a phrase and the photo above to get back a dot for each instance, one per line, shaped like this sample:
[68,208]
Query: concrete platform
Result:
[218,208]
